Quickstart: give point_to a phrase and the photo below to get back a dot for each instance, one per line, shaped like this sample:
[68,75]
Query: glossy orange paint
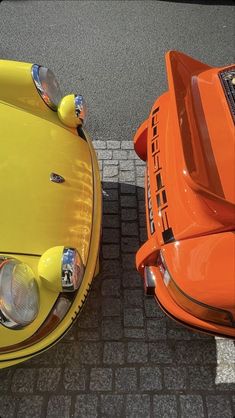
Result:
[188,144]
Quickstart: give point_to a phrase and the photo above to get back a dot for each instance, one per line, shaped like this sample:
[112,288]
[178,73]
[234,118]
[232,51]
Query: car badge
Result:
[56,178]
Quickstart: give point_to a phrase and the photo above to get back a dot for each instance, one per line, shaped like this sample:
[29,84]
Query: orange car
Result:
[189,147]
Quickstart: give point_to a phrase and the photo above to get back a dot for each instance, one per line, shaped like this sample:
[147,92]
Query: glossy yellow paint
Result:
[43,214]
[36,213]
[66,111]
[49,268]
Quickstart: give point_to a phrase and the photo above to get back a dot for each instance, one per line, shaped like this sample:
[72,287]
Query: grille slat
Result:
[227,78]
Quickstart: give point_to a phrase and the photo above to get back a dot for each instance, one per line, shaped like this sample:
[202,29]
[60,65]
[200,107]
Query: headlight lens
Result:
[198,309]
[47,85]
[19,296]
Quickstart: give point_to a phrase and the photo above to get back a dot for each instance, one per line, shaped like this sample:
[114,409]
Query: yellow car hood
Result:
[36,213]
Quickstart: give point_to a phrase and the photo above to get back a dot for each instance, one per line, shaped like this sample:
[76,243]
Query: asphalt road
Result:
[123,357]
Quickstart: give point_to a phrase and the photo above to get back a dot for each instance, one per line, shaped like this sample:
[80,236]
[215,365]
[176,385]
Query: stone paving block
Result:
[201,377]
[87,335]
[135,333]
[131,279]
[150,378]
[130,229]
[218,406]
[30,407]
[140,182]
[112,328]
[86,406]
[131,155]
[138,406]
[156,329]
[175,378]
[89,319]
[111,235]
[165,406]
[104,154]
[142,220]
[112,405]
[133,317]
[128,262]
[225,376]
[152,309]
[127,145]
[101,379]
[129,214]
[126,379]
[5,379]
[143,234]
[161,352]
[233,405]
[111,306]
[111,221]
[48,379]
[191,406]
[225,351]
[110,195]
[113,144]
[128,201]
[23,380]
[130,244]
[137,352]
[114,353]
[110,269]
[140,171]
[141,205]
[133,298]
[111,162]
[128,189]
[196,352]
[97,144]
[120,155]
[111,287]
[89,353]
[7,406]
[110,207]
[59,406]
[127,165]
[63,354]
[110,251]
[74,379]
[110,171]
[178,332]
[127,176]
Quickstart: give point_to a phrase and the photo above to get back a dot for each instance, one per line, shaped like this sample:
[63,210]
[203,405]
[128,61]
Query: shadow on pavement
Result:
[123,355]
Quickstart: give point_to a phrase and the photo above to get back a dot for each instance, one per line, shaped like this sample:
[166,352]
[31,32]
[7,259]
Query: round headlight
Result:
[72,270]
[19,296]
[47,85]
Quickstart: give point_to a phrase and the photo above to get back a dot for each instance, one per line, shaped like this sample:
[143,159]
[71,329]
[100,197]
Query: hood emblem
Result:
[56,178]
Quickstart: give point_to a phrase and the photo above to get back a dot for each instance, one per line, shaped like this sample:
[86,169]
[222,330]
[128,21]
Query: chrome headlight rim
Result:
[80,108]
[72,270]
[35,71]
[10,316]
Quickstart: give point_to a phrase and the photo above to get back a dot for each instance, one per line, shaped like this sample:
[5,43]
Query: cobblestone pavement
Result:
[123,357]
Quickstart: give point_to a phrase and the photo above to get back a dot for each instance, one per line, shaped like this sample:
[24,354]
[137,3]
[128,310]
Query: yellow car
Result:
[50,211]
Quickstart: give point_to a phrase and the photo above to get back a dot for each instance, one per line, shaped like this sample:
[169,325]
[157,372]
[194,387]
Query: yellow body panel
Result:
[37,214]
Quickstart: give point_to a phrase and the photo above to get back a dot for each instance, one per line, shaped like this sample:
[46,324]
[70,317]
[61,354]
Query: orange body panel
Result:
[189,146]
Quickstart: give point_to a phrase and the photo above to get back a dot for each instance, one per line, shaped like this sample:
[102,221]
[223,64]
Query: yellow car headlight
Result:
[19,295]
[190,305]
[47,85]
